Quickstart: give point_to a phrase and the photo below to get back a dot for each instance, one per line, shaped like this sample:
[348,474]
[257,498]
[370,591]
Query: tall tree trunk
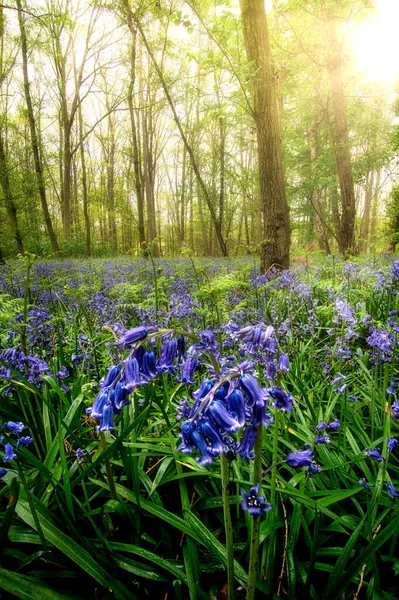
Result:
[365,224]
[33,134]
[11,209]
[149,178]
[341,142]
[84,185]
[374,210]
[138,175]
[277,232]
[111,182]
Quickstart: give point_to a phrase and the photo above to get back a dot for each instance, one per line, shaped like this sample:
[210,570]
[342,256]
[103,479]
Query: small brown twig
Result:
[362,572]
[280,578]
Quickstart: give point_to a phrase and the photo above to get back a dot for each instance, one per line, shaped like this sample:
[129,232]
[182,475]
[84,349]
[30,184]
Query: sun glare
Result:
[375,43]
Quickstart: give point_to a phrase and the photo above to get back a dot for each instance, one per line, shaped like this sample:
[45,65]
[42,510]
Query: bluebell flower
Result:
[190,364]
[322,439]
[131,377]
[283,364]
[181,348]
[208,430]
[300,458]
[271,372]
[244,448]
[2,472]
[112,374]
[96,411]
[79,453]
[392,388]
[375,453]
[251,388]
[219,413]
[334,424]
[392,442]
[15,427]
[132,336]
[168,354]
[204,389]
[107,423]
[149,365]
[395,410]
[253,503]
[322,425]
[236,406]
[282,400]
[392,491]
[313,468]
[9,453]
[24,441]
[364,484]
[208,341]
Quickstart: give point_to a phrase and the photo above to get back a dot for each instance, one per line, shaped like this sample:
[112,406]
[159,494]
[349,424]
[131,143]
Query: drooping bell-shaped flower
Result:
[132,336]
[250,386]
[113,372]
[9,453]
[282,400]
[168,354]
[189,367]
[283,364]
[131,374]
[96,411]
[244,448]
[15,427]
[149,365]
[107,421]
[300,458]
[236,406]
[218,412]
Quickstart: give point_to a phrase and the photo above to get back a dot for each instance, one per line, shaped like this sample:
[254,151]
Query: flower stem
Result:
[254,543]
[108,468]
[228,526]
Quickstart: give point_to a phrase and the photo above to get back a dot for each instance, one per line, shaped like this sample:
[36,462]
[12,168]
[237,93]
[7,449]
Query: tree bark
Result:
[365,224]
[33,134]
[341,142]
[11,209]
[276,226]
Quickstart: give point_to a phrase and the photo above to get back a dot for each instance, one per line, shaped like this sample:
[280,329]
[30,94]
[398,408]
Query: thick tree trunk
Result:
[84,186]
[33,134]
[341,142]
[277,233]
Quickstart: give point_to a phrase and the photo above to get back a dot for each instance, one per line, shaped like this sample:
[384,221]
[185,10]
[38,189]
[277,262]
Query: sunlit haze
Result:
[375,43]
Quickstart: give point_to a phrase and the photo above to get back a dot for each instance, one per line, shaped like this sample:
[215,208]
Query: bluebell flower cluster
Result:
[10,440]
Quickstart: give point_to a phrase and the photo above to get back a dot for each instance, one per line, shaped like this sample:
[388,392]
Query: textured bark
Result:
[84,186]
[374,210]
[11,209]
[204,190]
[33,134]
[138,175]
[341,141]
[277,233]
[365,225]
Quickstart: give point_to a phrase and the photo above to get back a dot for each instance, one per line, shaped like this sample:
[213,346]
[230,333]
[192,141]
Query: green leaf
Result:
[26,588]
[71,549]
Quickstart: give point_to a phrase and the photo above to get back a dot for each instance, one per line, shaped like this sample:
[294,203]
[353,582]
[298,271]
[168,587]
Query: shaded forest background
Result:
[129,124]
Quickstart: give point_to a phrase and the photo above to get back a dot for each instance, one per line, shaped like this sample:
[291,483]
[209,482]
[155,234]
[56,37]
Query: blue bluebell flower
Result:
[392,442]
[112,374]
[106,422]
[132,336]
[236,406]
[14,427]
[253,503]
[374,453]
[219,413]
[282,400]
[395,410]
[131,377]
[24,441]
[283,364]
[322,425]
[79,453]
[244,448]
[149,365]
[190,364]
[392,388]
[322,439]
[392,491]
[251,388]
[208,430]
[334,425]
[181,348]
[2,472]
[168,355]
[9,453]
[299,458]
[364,484]
[96,410]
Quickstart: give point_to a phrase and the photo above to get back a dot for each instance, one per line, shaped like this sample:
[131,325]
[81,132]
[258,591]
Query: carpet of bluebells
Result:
[170,427]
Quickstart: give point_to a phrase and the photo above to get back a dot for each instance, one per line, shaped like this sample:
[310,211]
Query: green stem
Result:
[33,509]
[254,543]
[228,526]
[155,285]
[108,468]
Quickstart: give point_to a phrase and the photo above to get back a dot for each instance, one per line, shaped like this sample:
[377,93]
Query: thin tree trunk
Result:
[373,227]
[341,142]
[84,185]
[33,134]
[365,224]
[277,232]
